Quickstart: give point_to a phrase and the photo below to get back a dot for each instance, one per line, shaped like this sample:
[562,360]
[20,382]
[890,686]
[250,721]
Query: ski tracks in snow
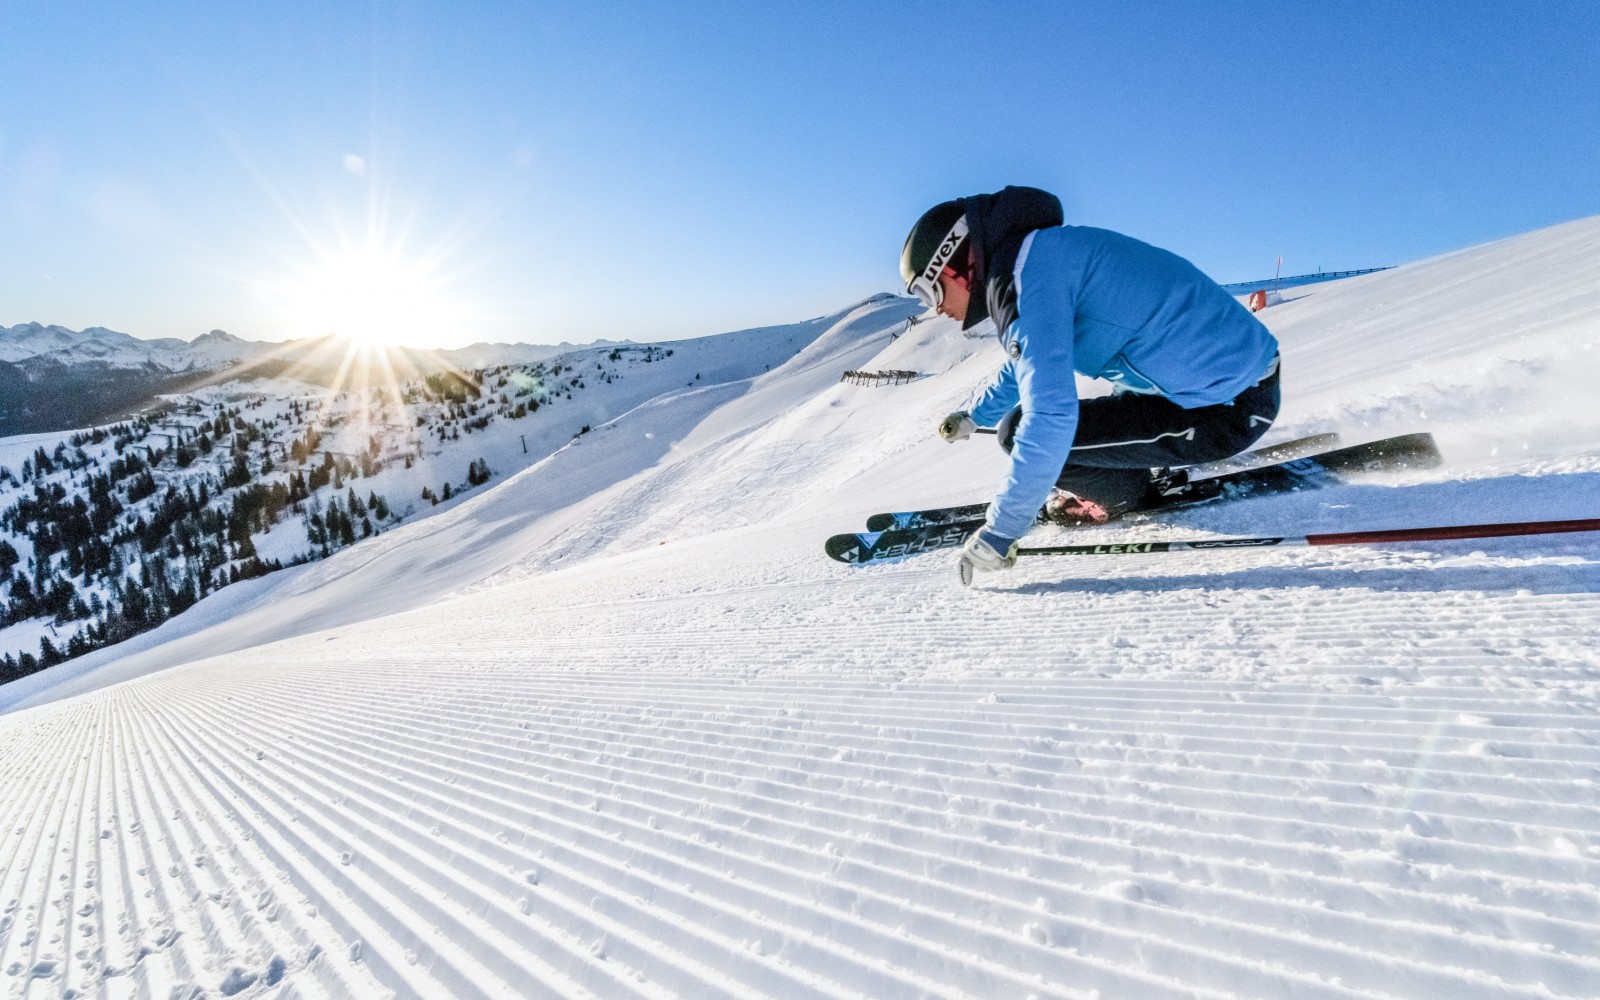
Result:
[867,785]
[674,752]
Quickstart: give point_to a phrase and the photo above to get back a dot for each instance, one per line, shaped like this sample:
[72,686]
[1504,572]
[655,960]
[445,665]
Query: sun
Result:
[371,296]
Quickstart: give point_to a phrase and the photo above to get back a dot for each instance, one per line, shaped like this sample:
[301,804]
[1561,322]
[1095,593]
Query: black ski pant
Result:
[1122,437]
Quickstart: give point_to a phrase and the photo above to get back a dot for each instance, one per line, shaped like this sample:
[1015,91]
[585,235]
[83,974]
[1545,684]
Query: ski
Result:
[876,545]
[1391,454]
[1410,451]
[1281,452]
[911,519]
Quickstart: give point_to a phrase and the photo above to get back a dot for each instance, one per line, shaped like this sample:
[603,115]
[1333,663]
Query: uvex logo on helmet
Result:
[929,247]
[941,256]
[924,284]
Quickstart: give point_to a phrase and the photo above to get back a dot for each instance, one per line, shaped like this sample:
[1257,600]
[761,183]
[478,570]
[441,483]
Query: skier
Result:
[1194,374]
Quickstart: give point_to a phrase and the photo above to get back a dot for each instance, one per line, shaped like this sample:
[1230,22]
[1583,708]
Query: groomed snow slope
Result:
[651,743]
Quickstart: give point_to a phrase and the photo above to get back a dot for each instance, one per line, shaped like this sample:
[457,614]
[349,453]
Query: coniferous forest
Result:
[112,530]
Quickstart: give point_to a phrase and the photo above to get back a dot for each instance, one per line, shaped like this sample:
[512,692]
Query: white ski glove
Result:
[987,551]
[958,426]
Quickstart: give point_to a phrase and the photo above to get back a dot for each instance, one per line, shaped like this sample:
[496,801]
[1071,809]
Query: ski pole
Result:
[1337,538]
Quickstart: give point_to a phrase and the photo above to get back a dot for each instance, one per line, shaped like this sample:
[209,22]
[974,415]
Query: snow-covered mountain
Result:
[53,378]
[29,341]
[614,727]
[34,341]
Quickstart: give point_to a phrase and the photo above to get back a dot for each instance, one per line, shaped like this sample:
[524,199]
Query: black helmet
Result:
[930,246]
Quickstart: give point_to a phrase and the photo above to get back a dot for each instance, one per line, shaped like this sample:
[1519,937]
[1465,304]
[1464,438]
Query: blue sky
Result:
[549,171]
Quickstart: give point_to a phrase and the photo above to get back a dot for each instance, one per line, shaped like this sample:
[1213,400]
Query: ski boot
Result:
[1166,484]
[1173,486]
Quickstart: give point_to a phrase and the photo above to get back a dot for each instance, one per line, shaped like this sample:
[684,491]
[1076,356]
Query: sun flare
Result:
[372,297]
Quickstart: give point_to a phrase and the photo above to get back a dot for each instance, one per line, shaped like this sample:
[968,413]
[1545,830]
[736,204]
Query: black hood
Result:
[996,224]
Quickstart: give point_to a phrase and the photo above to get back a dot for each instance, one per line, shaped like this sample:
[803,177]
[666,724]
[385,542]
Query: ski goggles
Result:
[925,286]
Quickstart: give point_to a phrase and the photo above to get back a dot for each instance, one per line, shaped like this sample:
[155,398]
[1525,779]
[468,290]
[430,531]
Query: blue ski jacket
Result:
[1075,299]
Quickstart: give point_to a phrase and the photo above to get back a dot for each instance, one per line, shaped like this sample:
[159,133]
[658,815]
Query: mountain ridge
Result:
[55,378]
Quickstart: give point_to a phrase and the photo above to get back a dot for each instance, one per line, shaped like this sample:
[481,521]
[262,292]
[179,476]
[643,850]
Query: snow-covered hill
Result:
[53,378]
[111,531]
[614,727]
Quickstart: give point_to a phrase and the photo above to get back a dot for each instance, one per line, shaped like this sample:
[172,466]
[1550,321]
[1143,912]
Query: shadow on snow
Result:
[1365,508]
